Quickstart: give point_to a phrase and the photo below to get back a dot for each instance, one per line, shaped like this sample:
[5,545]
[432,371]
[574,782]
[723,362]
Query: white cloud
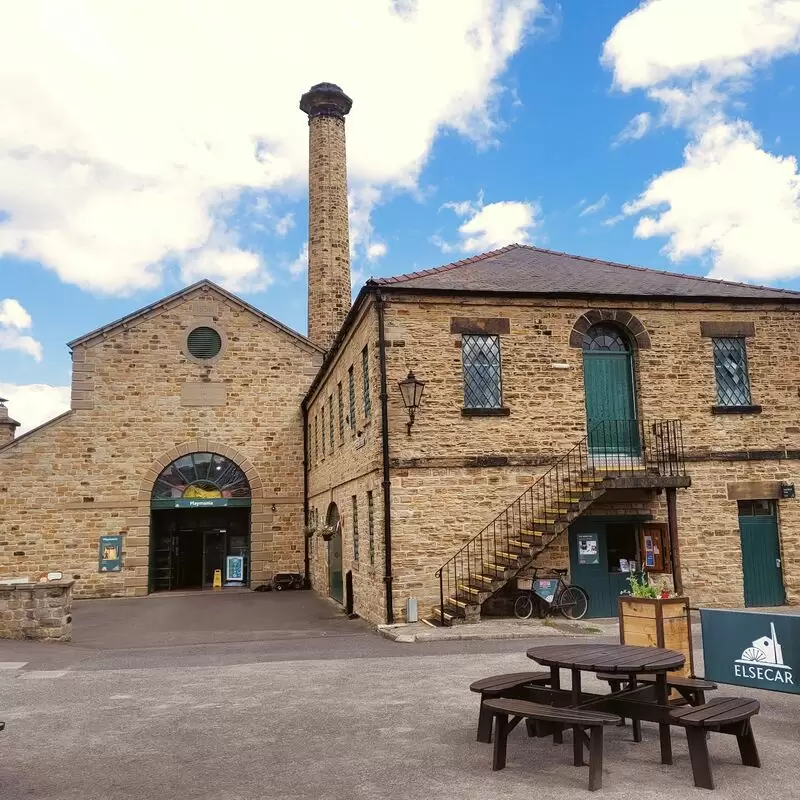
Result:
[594,207]
[237,270]
[635,129]
[377,250]
[127,139]
[35,403]
[284,224]
[718,39]
[491,226]
[299,266]
[13,319]
[731,203]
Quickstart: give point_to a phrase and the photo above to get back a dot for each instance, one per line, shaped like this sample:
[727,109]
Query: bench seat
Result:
[507,685]
[730,715]
[578,719]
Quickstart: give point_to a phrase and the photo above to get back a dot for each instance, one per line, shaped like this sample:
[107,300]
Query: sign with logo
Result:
[200,502]
[752,649]
[110,553]
[234,568]
[546,588]
[588,548]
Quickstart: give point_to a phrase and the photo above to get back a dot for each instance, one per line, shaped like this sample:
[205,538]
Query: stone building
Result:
[575,414]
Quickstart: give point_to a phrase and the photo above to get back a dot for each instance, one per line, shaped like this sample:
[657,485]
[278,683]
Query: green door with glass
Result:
[761,554]
[608,386]
[335,577]
[602,552]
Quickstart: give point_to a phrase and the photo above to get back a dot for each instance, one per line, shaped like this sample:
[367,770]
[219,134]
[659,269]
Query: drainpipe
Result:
[306,559]
[386,483]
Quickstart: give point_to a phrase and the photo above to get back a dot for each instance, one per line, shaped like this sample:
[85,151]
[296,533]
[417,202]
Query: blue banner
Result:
[752,649]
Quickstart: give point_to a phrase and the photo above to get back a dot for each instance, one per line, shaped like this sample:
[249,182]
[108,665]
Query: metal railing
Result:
[611,449]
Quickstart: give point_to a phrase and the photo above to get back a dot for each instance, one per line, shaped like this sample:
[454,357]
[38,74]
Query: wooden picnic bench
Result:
[729,715]
[577,718]
[692,690]
[502,686]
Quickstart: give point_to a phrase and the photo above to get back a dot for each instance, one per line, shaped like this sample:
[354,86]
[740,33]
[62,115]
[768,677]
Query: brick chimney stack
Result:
[328,220]
[8,426]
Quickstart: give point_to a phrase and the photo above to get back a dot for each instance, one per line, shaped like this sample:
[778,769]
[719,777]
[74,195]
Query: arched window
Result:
[605,337]
[201,476]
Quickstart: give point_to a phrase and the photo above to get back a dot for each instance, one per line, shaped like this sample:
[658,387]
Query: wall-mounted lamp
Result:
[411,391]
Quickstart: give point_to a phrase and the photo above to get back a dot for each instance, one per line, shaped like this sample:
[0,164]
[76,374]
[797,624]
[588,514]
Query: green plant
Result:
[641,586]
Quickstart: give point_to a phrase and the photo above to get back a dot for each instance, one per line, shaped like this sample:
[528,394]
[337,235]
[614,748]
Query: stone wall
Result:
[36,611]
[351,467]
[455,473]
[139,402]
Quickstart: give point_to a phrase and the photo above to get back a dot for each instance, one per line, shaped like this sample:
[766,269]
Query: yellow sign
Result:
[217,579]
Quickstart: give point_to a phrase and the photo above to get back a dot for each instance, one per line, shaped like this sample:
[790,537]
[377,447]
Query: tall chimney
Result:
[8,426]
[328,222]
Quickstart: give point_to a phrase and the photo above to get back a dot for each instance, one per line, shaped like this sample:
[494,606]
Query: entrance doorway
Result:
[200,524]
[609,391]
[189,546]
[601,556]
[335,584]
[761,554]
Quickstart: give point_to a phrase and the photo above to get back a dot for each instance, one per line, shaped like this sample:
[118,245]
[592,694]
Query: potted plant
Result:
[327,532]
[651,616]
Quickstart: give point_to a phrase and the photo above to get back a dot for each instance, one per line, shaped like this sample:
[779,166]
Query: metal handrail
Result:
[613,447]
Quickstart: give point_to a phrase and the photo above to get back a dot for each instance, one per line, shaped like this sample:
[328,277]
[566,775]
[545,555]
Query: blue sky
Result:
[136,158]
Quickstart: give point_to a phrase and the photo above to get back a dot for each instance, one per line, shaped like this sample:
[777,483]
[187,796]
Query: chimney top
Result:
[4,418]
[325,100]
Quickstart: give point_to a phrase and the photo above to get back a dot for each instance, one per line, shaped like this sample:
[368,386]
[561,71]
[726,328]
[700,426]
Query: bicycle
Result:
[552,594]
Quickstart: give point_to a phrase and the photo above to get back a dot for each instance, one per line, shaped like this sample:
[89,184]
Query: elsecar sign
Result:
[751,649]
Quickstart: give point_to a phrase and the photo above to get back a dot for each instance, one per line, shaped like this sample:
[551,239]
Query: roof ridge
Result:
[660,271]
[407,276]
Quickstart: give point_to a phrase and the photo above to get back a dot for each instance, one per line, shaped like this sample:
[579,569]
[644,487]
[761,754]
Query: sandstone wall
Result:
[36,611]
[138,403]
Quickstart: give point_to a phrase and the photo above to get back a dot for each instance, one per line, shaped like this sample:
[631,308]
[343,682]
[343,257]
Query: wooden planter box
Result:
[656,622]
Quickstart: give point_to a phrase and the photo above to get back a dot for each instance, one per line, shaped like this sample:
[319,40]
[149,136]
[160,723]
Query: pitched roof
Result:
[181,294]
[524,269]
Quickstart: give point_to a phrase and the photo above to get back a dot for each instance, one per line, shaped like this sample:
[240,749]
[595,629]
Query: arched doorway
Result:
[335,585]
[200,524]
[609,391]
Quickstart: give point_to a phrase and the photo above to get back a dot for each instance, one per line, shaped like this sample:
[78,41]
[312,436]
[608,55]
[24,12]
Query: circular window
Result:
[204,343]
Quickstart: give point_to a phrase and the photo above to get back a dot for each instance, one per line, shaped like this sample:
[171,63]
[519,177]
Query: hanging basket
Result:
[327,532]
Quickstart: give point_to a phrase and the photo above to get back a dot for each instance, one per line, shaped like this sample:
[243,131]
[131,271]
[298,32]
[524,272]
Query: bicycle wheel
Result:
[523,607]
[573,602]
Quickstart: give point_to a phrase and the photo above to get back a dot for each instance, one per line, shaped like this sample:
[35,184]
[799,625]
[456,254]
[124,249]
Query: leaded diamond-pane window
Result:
[341,415]
[482,384]
[365,383]
[330,417]
[355,527]
[730,368]
[351,390]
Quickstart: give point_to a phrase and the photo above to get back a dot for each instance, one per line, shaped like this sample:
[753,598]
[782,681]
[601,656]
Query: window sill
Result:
[736,409]
[485,412]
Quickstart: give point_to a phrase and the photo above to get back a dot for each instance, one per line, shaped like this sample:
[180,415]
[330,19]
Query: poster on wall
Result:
[234,569]
[110,553]
[588,549]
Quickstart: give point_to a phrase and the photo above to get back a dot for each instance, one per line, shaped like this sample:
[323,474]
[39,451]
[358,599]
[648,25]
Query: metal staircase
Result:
[613,454]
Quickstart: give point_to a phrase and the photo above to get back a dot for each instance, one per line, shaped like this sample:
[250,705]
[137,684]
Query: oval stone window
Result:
[204,343]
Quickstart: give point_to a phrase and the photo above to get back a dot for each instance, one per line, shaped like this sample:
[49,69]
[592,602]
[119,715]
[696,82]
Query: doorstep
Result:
[500,628]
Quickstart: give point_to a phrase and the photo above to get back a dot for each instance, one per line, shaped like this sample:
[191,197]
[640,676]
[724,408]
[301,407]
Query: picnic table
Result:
[639,701]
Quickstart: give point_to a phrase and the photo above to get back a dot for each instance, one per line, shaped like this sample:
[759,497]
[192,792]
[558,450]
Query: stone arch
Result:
[202,446]
[632,325]
[137,540]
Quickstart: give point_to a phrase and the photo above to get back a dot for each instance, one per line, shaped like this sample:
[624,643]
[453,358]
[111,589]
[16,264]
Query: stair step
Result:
[499,568]
[436,616]
[507,556]
[487,579]
[472,590]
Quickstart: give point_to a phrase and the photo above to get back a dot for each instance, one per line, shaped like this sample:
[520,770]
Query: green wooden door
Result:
[761,557]
[610,406]
[589,566]
[335,584]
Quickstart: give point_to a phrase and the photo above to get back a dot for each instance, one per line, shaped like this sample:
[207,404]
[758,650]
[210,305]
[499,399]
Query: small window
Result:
[323,432]
[365,383]
[482,381]
[351,383]
[355,527]
[330,420]
[757,508]
[341,414]
[204,343]
[371,527]
[730,368]
[316,437]
[310,444]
